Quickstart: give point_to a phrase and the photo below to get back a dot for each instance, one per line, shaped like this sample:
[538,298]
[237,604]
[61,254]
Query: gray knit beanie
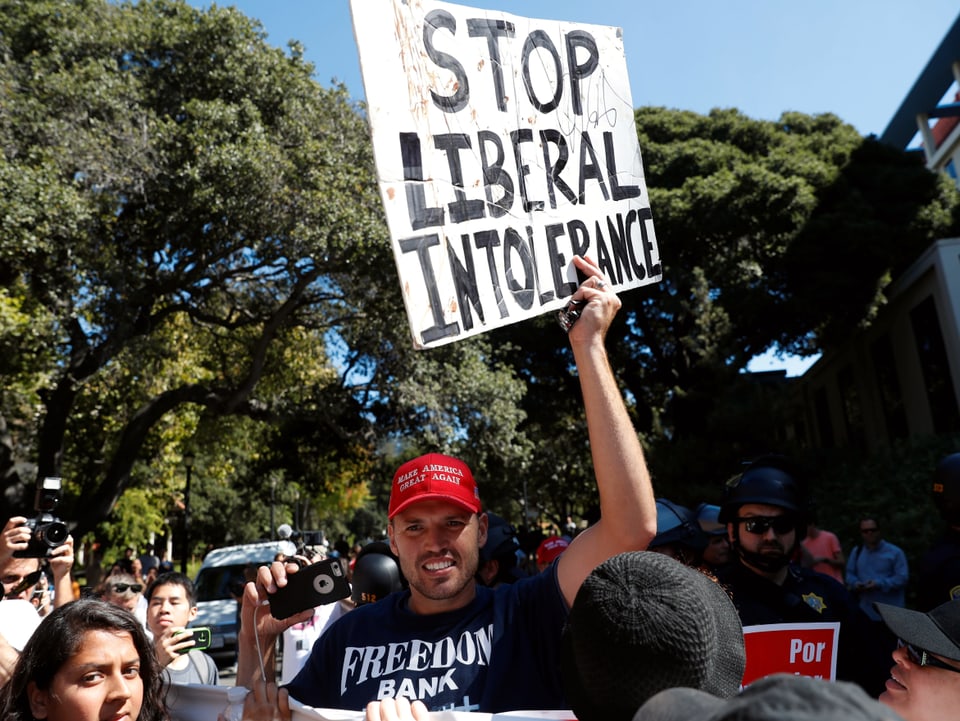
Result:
[643,622]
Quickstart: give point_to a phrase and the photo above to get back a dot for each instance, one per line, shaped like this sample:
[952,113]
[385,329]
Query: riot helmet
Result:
[708,516]
[678,533]
[946,488]
[676,524]
[771,480]
[376,574]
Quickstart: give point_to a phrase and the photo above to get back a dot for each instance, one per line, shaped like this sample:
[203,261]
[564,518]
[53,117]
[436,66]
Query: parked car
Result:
[219,584]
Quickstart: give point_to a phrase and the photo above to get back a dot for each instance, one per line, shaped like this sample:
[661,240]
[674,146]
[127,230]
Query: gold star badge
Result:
[814,601]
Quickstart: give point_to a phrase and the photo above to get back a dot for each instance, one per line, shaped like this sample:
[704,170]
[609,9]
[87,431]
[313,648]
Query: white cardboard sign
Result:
[504,146]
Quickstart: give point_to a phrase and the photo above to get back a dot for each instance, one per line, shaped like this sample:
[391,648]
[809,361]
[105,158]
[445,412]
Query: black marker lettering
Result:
[539,39]
[524,135]
[550,137]
[603,256]
[544,296]
[557,261]
[420,245]
[461,209]
[620,192]
[465,281]
[591,169]
[513,246]
[618,242]
[579,237]
[494,174]
[643,215]
[580,39]
[436,20]
[420,215]
[492,30]
[628,224]
[487,240]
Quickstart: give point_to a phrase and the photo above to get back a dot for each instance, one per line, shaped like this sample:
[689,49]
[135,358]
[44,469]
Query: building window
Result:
[935,367]
[888,387]
[852,407]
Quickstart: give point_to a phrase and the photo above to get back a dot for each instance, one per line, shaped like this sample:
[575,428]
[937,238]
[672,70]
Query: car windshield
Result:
[217,583]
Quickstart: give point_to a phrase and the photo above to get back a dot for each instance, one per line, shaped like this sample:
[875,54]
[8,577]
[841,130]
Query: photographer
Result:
[19,584]
[14,569]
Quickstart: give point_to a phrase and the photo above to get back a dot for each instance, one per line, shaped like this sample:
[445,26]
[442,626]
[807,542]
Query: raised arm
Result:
[61,562]
[628,511]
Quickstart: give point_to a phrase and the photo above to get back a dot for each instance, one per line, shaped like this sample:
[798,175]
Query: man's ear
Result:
[38,700]
[193,613]
[484,522]
[393,543]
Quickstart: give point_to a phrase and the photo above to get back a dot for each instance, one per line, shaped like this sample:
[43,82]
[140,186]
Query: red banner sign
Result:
[802,649]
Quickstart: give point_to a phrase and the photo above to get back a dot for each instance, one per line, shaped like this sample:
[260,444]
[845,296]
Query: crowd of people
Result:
[643,616]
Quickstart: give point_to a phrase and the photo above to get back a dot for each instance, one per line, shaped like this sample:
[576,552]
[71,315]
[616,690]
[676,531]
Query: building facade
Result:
[901,377]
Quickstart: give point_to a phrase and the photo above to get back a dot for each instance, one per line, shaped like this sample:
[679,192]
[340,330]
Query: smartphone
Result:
[315,585]
[201,639]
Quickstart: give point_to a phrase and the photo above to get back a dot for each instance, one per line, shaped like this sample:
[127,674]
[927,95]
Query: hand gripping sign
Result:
[504,146]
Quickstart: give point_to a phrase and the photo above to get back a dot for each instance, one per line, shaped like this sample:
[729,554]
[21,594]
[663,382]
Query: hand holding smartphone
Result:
[201,638]
[315,585]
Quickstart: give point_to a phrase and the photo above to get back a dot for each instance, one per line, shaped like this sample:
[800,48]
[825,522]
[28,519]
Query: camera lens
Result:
[53,534]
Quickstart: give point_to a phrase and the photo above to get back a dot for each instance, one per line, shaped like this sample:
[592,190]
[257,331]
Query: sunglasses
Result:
[924,658]
[761,524]
[31,579]
[123,587]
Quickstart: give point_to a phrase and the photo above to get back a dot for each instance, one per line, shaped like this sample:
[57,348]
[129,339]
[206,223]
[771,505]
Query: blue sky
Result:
[854,58]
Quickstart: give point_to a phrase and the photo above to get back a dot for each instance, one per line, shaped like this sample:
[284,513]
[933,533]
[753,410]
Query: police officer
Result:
[678,533]
[716,554]
[764,509]
[938,579]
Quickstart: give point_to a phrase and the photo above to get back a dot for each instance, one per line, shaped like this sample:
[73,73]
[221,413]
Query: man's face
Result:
[14,571]
[123,591]
[717,552]
[438,544]
[870,532]
[169,607]
[771,542]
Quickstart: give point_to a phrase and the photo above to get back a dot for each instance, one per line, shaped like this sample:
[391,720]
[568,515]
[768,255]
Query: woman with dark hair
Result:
[88,660]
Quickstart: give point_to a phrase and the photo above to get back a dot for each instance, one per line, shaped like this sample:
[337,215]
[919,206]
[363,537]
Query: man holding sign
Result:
[448,641]
[795,620]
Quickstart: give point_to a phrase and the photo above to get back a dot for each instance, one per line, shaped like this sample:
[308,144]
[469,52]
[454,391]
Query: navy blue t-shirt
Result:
[501,652]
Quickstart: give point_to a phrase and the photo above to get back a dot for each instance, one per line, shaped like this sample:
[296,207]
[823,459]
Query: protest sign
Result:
[193,702]
[504,146]
[804,649]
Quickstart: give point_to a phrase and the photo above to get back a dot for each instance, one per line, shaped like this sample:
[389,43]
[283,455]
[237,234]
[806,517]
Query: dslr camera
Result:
[47,531]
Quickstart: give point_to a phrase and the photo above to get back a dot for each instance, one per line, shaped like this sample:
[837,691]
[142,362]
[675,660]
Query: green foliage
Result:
[193,259]
[136,517]
[180,206]
[773,234]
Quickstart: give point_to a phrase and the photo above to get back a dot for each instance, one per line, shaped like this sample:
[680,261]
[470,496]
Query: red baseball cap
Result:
[549,548]
[434,477]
